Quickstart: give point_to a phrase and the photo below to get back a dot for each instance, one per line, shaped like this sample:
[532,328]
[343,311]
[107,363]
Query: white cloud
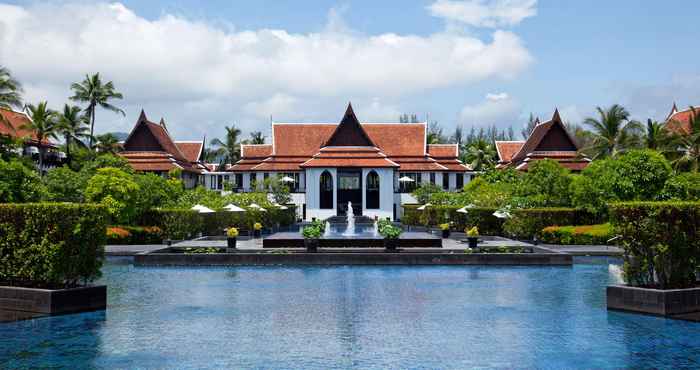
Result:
[200,76]
[485,13]
[497,109]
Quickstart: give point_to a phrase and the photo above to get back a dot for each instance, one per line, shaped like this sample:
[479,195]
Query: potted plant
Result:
[445,230]
[257,229]
[231,235]
[312,234]
[391,235]
[472,236]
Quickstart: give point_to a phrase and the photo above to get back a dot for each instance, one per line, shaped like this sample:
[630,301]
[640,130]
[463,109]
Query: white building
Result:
[333,164]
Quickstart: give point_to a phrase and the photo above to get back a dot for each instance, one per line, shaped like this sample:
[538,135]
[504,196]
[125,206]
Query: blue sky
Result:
[574,55]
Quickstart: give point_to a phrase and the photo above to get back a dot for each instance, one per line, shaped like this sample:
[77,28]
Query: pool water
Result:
[354,317]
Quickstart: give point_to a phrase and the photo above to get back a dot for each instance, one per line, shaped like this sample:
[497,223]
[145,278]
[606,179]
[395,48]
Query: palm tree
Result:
[43,123]
[480,154]
[10,93]
[229,150]
[687,144]
[257,137]
[73,126]
[655,135]
[94,93]
[107,143]
[613,132]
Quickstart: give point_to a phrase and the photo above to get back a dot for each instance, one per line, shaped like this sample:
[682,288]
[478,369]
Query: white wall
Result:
[313,208]
[386,193]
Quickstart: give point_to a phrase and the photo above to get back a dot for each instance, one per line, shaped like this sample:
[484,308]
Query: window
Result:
[372,191]
[408,181]
[253,180]
[445,180]
[212,182]
[238,181]
[460,181]
[326,191]
[432,178]
[219,182]
[293,186]
[348,182]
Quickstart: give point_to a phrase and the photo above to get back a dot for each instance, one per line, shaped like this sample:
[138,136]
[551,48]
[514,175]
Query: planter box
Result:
[653,301]
[60,301]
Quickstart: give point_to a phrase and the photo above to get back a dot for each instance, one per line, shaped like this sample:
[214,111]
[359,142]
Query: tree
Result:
[655,135]
[435,135]
[107,143]
[43,123]
[531,123]
[228,151]
[458,136]
[117,191]
[425,191]
[156,191]
[613,132]
[480,155]
[19,184]
[405,118]
[65,185]
[10,93]
[684,187]
[546,184]
[686,145]
[256,137]
[94,93]
[72,125]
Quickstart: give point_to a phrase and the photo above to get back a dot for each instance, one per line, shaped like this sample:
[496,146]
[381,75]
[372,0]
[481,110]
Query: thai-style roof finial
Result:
[556,116]
[142,116]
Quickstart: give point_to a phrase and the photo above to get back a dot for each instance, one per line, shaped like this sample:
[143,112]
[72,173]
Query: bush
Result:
[117,191]
[483,218]
[19,183]
[65,185]
[578,235]
[51,245]
[546,184]
[122,235]
[426,191]
[176,224]
[685,186]
[661,242]
[528,223]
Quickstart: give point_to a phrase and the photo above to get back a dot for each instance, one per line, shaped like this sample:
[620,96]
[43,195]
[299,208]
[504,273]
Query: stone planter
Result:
[49,301]
[390,245]
[230,245]
[473,241]
[445,234]
[653,301]
[311,245]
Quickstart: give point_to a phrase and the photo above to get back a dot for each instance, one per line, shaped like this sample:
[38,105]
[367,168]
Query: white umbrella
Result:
[279,206]
[406,179]
[502,213]
[465,208]
[197,207]
[421,208]
[233,208]
[255,206]
[205,210]
[287,179]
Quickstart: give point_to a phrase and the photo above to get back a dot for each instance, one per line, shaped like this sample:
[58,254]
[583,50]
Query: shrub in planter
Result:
[391,236]
[231,235]
[445,228]
[661,242]
[578,235]
[472,236]
[435,215]
[51,245]
[312,234]
[257,229]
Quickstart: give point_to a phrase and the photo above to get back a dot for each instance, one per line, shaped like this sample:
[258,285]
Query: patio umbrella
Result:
[287,179]
[502,213]
[465,208]
[406,179]
[279,206]
[422,208]
[256,206]
[233,208]
[197,207]
[205,210]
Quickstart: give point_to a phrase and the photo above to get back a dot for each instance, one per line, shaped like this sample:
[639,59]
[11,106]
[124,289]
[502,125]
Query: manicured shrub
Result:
[177,224]
[483,218]
[51,244]
[578,235]
[546,184]
[527,223]
[122,235]
[661,242]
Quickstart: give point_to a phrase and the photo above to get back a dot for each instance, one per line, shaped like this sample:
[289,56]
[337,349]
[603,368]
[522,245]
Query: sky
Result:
[203,66]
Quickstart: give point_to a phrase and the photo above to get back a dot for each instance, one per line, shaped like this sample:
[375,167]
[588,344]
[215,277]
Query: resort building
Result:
[373,166]
[149,148]
[12,128]
[678,121]
[548,140]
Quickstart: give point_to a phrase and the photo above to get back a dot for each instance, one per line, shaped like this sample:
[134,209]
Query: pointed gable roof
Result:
[548,136]
[349,132]
[152,137]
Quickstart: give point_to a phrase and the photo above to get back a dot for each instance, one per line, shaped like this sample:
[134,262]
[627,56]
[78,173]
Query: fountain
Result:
[376,229]
[350,231]
[327,231]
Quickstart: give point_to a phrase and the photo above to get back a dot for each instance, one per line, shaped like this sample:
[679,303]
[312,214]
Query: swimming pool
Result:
[354,317]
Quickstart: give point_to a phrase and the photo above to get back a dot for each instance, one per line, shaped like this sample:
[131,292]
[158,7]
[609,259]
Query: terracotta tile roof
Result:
[455,165]
[443,150]
[507,149]
[256,150]
[398,139]
[16,121]
[348,162]
[192,150]
[679,122]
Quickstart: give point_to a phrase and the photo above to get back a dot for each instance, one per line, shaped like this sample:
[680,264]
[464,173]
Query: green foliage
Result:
[51,245]
[546,184]
[578,235]
[278,189]
[390,231]
[528,223]
[483,218]
[636,175]
[177,224]
[312,232]
[117,191]
[124,235]
[201,250]
[156,191]
[65,185]
[685,186]
[473,232]
[104,161]
[19,183]
[661,242]
[424,193]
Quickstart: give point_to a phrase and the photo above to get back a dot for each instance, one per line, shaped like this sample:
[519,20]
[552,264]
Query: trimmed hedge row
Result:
[122,235]
[482,218]
[51,245]
[661,242]
[180,224]
[578,235]
[528,223]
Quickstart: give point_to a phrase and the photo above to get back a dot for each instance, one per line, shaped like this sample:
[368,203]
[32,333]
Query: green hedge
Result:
[180,224]
[51,244]
[482,218]
[528,223]
[134,235]
[578,235]
[661,242]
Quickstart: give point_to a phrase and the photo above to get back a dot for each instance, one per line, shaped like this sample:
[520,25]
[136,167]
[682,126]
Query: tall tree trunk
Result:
[41,159]
[68,158]
[92,123]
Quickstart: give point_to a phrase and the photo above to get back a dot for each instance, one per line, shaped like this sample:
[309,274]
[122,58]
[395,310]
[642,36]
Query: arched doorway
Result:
[326,190]
[372,191]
